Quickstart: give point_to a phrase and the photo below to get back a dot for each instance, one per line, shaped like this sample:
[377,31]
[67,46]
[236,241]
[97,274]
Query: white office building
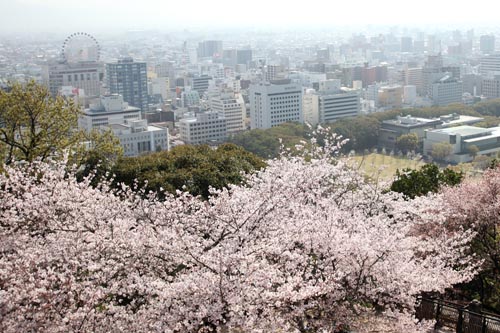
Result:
[206,127]
[233,108]
[136,137]
[461,138]
[446,90]
[274,104]
[110,109]
[489,63]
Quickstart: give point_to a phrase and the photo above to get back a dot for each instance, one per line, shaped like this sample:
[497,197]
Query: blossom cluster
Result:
[306,245]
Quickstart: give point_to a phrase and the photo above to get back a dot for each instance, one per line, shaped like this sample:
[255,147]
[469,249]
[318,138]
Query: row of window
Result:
[83,77]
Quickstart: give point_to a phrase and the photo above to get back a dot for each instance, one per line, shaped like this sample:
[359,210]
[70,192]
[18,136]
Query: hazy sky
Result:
[96,15]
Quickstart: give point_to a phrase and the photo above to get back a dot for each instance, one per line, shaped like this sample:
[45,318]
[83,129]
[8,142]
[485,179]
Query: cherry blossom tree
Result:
[306,245]
[475,205]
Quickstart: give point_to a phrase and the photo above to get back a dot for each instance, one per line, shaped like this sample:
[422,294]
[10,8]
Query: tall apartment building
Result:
[82,75]
[446,90]
[232,106]
[275,103]
[209,49]
[487,44]
[490,63]
[205,127]
[129,79]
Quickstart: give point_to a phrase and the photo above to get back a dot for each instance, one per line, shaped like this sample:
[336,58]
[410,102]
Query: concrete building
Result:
[391,129]
[330,103]
[409,94]
[109,109]
[390,96]
[207,127]
[232,106]
[137,138]
[489,64]
[491,86]
[487,44]
[310,108]
[210,49]
[406,44]
[83,75]
[159,86]
[461,138]
[275,103]
[129,79]
[413,77]
[446,90]
[200,83]
[335,103]
[244,57]
[190,98]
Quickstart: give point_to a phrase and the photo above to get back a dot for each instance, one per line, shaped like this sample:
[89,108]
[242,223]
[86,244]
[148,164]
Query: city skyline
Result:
[92,15]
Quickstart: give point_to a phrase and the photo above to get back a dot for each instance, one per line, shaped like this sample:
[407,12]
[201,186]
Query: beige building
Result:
[390,96]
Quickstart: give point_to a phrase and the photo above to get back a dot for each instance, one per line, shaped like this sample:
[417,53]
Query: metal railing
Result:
[458,317]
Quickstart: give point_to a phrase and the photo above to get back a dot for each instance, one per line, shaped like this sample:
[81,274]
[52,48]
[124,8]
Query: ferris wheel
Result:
[80,47]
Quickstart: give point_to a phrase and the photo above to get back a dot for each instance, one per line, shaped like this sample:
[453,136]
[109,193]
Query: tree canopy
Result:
[33,125]
[188,168]
[413,183]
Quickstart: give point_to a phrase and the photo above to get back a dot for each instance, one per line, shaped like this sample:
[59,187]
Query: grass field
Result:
[383,167]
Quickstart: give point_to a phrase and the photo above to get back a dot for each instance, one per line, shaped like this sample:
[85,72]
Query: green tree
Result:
[33,125]
[473,150]
[266,142]
[191,168]
[441,150]
[413,183]
[407,142]
[97,153]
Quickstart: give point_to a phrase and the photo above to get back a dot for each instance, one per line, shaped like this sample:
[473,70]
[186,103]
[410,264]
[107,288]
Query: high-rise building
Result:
[232,107]
[244,57]
[406,44]
[489,64]
[275,103]
[82,75]
[487,44]
[204,127]
[129,79]
[210,49]
[200,83]
[335,103]
[446,90]
[491,86]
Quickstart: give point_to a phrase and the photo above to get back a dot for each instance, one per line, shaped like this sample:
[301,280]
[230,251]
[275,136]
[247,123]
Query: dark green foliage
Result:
[194,168]
[407,143]
[362,132]
[265,143]
[413,183]
[488,108]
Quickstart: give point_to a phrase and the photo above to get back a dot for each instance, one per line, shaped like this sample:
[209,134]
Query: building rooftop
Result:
[464,130]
